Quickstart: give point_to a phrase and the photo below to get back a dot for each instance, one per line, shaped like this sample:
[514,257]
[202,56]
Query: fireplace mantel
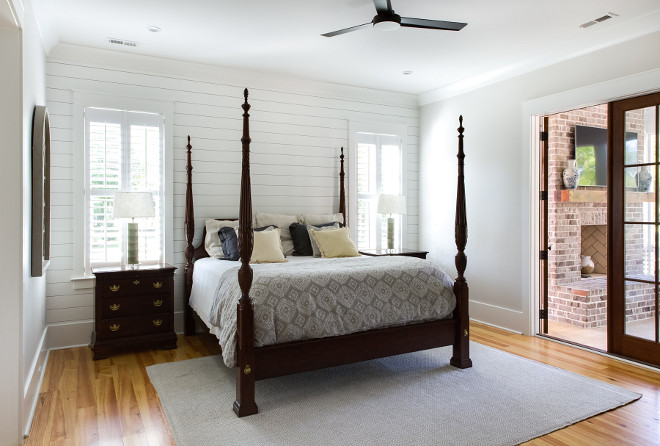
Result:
[600,196]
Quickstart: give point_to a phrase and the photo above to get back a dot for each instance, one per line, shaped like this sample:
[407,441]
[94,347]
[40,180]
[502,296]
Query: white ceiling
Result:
[502,38]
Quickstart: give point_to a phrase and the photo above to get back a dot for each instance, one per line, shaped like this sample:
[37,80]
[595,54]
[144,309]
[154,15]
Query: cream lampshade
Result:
[133,205]
[391,204]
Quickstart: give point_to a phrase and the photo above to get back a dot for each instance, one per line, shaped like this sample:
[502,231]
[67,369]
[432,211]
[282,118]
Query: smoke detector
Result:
[609,15]
[123,42]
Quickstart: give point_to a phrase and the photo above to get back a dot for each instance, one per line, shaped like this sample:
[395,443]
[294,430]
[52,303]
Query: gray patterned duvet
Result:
[305,300]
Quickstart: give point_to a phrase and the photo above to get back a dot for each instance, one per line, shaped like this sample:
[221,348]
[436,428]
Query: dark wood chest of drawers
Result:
[134,309]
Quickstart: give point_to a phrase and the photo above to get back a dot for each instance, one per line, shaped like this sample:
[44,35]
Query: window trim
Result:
[81,275]
[389,128]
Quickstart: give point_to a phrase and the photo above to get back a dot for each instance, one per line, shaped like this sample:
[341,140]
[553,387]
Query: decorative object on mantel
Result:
[644,179]
[587,265]
[133,205]
[571,175]
[391,204]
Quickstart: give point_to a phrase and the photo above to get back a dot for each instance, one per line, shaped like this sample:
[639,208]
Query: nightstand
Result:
[134,309]
[394,252]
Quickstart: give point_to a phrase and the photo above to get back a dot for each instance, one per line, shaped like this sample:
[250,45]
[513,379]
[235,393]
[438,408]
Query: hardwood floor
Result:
[111,401]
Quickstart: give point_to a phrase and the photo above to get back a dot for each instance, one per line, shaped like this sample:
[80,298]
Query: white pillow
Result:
[281,221]
[319,219]
[267,247]
[212,242]
[315,246]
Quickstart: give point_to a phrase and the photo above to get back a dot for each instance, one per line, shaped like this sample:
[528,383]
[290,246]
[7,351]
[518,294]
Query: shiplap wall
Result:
[296,126]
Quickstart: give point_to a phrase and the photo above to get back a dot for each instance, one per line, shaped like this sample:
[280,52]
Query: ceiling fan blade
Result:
[383,6]
[432,24]
[346,30]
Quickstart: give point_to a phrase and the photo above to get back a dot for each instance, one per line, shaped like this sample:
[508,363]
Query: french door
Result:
[634,222]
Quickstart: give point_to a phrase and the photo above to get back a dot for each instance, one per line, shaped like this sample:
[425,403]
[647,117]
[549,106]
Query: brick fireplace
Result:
[577,225]
[594,244]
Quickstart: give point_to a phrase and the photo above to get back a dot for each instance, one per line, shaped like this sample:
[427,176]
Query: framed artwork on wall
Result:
[40,191]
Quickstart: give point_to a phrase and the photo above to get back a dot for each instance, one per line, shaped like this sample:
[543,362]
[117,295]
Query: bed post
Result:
[189,230]
[342,192]
[461,355]
[244,403]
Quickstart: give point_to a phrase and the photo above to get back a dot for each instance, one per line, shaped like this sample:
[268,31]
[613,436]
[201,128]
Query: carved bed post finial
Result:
[189,230]
[461,219]
[342,191]
[245,373]
[245,234]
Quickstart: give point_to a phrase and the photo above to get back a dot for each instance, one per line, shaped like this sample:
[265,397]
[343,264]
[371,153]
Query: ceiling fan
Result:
[387,20]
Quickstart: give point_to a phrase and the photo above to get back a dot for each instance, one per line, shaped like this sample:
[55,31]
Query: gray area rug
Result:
[412,399]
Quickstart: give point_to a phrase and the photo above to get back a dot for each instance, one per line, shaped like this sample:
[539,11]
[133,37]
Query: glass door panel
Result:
[639,258]
[639,205]
[640,310]
[639,142]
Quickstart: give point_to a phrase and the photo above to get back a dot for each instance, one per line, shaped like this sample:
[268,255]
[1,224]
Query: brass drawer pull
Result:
[114,307]
[114,327]
[157,322]
[158,303]
[114,288]
[136,282]
[158,284]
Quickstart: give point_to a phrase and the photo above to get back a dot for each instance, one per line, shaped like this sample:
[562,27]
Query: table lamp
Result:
[133,205]
[391,204]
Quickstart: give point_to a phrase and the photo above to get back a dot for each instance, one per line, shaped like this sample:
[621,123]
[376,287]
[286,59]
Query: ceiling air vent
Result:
[607,16]
[122,42]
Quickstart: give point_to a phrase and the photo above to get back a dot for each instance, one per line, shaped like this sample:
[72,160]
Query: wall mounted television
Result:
[591,154]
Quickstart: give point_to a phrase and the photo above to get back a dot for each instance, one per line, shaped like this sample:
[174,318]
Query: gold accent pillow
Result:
[267,247]
[334,243]
[281,221]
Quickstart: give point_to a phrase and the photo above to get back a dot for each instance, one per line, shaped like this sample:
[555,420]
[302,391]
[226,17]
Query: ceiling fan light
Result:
[387,26]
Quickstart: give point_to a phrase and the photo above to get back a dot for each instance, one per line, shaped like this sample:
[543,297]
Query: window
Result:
[378,167]
[124,151]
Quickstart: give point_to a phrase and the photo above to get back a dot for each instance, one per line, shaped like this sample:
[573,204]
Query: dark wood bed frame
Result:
[257,363]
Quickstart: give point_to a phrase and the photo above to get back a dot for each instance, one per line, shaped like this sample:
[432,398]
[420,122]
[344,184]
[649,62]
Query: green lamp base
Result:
[390,233]
[132,244]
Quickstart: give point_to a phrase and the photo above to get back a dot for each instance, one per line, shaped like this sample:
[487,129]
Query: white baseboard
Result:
[497,316]
[69,334]
[33,382]
[178,321]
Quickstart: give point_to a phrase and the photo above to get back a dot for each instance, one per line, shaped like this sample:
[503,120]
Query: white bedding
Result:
[206,276]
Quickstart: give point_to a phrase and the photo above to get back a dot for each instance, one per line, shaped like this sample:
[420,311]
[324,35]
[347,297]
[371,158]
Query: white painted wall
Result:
[34,288]
[297,127]
[499,183]
[22,319]
[10,230]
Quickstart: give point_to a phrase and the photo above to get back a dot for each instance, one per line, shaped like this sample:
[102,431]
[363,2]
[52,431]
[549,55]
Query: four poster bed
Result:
[256,360]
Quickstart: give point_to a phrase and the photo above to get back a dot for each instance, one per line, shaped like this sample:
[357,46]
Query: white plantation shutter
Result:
[379,171]
[124,152]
